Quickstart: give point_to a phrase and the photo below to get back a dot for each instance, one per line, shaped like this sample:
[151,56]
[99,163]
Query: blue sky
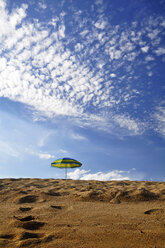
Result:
[82,79]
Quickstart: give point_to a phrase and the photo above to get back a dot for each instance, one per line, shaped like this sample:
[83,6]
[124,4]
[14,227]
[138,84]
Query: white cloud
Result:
[63,151]
[160,120]
[45,155]
[153,34]
[62,31]
[145,49]
[130,124]
[160,51]
[149,58]
[78,47]
[9,149]
[101,24]
[112,75]
[2,4]
[42,5]
[163,23]
[150,73]
[84,33]
[17,16]
[3,64]
[99,2]
[77,136]
[113,175]
[114,53]
[39,154]
[77,174]
[101,176]
[44,139]
[54,74]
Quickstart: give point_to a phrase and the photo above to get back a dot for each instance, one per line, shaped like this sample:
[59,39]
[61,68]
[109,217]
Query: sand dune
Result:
[53,213]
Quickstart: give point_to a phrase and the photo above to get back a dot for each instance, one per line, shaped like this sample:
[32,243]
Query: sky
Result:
[85,80]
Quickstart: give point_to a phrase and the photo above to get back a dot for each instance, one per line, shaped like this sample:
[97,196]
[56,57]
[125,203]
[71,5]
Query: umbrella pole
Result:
[65,172]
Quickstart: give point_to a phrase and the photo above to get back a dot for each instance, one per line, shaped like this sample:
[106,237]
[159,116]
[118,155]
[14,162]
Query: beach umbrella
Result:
[66,163]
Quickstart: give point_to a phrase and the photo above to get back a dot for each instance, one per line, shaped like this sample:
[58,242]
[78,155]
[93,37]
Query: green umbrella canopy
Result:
[66,163]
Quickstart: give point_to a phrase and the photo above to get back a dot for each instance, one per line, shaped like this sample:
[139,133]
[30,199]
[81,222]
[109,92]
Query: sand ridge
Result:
[74,213]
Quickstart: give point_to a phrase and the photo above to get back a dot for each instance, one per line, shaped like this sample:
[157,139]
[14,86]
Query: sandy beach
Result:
[52,213]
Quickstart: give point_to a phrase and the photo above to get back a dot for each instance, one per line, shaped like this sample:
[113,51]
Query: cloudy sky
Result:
[82,79]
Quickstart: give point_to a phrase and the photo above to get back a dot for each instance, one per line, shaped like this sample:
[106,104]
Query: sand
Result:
[52,213]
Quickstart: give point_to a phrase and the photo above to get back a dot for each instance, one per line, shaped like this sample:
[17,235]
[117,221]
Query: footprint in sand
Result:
[33,225]
[24,209]
[27,218]
[150,211]
[52,193]
[28,199]
[29,235]
[28,239]
[56,207]
[6,236]
[29,223]
[23,192]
